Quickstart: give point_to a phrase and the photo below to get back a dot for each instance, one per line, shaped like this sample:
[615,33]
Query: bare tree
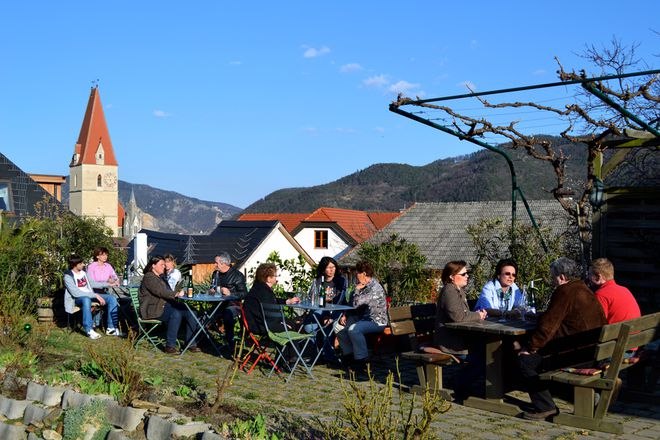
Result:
[601,112]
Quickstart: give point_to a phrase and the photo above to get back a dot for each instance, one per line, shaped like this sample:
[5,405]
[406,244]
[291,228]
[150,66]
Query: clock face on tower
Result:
[110,180]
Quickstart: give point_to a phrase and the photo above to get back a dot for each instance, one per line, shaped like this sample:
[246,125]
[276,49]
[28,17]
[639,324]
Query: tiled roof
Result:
[94,131]
[357,224]
[288,220]
[25,192]
[239,238]
[382,219]
[438,229]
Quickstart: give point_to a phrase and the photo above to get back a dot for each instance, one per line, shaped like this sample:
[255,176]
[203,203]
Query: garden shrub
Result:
[370,412]
[119,365]
[80,421]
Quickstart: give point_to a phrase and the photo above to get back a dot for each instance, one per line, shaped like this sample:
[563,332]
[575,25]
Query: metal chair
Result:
[257,348]
[145,326]
[287,338]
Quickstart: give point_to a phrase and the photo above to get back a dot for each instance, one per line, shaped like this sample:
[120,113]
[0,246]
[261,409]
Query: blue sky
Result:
[229,101]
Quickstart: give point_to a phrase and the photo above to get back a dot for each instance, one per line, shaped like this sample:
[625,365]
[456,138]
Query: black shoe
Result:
[171,350]
[540,415]
[194,349]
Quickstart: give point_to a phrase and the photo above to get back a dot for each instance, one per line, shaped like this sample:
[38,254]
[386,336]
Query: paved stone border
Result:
[43,405]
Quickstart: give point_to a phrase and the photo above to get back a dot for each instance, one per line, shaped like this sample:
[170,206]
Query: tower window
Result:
[98,181]
[320,239]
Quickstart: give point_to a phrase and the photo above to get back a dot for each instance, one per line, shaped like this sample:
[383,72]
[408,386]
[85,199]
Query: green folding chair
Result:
[146,327]
[283,339]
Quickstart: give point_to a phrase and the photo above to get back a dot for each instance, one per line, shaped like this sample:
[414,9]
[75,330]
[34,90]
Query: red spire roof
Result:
[94,131]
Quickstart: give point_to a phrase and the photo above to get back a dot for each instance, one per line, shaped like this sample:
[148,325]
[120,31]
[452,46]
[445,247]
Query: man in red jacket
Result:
[573,309]
[617,301]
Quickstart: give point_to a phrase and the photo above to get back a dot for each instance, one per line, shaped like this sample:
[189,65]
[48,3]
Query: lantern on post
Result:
[597,196]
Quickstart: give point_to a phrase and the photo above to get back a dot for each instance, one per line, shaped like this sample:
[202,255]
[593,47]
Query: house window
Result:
[320,239]
[98,181]
[5,197]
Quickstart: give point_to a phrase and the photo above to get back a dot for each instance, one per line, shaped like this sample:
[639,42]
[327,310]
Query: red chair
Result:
[256,350]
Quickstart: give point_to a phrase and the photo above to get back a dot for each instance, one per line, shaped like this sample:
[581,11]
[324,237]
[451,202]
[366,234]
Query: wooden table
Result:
[493,333]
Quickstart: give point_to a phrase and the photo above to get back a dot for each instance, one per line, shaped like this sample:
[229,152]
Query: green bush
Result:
[372,412]
[34,253]
[401,268]
[493,241]
[79,421]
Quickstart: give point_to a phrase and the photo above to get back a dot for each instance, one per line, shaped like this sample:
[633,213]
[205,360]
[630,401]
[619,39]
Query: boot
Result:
[346,361]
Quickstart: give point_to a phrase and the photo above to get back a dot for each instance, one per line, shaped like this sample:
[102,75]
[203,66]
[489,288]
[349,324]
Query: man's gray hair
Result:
[224,258]
[565,266]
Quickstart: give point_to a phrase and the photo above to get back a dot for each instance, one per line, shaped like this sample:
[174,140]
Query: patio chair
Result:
[286,340]
[146,327]
[256,346]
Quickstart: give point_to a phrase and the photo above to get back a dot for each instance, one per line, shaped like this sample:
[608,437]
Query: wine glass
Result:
[329,294]
[503,305]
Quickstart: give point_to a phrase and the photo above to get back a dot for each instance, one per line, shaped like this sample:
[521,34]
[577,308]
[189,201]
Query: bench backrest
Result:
[416,321]
[609,341]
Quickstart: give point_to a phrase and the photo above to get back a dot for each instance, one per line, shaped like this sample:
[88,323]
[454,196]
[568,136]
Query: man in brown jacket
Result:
[573,309]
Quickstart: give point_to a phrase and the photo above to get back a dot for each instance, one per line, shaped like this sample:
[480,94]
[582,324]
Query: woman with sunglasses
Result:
[501,288]
[452,306]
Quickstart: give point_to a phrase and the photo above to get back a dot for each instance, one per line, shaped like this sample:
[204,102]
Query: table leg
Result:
[206,318]
[494,392]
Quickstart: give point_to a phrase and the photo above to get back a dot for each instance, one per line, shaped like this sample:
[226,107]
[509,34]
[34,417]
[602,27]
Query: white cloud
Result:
[379,129]
[538,72]
[313,131]
[376,81]
[350,67]
[235,63]
[402,87]
[469,85]
[346,130]
[474,44]
[162,114]
[312,52]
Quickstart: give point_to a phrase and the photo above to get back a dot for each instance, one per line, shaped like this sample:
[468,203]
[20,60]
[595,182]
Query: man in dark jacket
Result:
[573,309]
[226,280]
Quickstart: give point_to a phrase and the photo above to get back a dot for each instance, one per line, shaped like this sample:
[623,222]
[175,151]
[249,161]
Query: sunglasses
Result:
[509,274]
[463,274]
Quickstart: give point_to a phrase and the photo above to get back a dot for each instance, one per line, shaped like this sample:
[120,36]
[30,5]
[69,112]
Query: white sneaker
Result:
[93,335]
[114,332]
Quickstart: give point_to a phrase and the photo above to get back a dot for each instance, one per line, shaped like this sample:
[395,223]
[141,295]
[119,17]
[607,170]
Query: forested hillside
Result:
[483,175]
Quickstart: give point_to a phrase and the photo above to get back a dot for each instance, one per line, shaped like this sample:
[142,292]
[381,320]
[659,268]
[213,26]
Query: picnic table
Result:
[493,332]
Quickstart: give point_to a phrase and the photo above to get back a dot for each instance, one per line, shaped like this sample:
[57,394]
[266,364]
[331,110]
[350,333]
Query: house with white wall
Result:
[328,232]
[248,242]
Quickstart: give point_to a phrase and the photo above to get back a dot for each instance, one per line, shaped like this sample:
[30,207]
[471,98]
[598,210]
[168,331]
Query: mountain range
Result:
[482,175]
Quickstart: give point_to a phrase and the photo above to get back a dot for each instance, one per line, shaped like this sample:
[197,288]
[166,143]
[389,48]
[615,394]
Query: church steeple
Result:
[93,178]
[94,145]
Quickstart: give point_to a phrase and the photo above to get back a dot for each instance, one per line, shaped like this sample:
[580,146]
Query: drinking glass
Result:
[503,305]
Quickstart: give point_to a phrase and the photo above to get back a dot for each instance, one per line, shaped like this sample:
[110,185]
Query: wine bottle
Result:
[191,289]
[321,293]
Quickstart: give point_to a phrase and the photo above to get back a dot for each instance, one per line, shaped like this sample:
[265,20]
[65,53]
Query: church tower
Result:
[93,179]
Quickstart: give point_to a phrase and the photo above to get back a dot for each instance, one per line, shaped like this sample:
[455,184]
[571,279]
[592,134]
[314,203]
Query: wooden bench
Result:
[607,344]
[417,322]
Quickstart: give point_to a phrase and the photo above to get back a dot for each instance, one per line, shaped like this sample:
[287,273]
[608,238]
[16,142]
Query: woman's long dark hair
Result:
[323,265]
[153,260]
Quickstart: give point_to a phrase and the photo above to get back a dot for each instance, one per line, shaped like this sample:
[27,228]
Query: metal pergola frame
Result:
[586,83]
